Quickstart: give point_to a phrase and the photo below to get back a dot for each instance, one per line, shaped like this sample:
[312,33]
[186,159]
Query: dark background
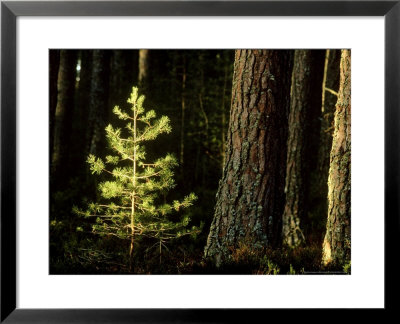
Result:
[93,82]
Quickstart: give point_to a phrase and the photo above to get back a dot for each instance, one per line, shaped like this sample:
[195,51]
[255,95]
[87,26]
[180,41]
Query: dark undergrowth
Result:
[246,261]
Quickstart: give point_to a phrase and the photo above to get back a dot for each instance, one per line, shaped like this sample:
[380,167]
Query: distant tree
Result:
[337,241]
[54,64]
[123,73]
[143,67]
[304,122]
[183,108]
[78,141]
[130,205]
[251,196]
[330,88]
[223,113]
[318,196]
[64,109]
[99,90]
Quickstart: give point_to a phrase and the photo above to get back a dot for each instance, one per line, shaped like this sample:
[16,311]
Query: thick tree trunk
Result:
[251,197]
[64,108]
[305,110]
[98,98]
[336,245]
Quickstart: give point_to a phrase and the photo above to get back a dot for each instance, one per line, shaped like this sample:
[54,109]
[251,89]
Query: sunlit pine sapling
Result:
[130,206]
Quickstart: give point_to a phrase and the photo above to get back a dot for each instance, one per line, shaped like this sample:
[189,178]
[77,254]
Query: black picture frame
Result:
[10,10]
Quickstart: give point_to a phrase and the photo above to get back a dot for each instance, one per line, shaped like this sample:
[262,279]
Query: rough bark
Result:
[250,196]
[98,98]
[64,108]
[336,245]
[305,108]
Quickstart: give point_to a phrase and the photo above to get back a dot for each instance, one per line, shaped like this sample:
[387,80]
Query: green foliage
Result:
[268,267]
[347,267]
[291,270]
[131,204]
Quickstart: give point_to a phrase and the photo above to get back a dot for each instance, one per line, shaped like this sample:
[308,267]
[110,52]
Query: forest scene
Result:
[200,161]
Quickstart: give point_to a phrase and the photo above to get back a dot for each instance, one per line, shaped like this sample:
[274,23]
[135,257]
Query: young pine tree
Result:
[130,204]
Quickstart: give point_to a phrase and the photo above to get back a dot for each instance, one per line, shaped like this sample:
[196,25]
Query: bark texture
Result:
[304,125]
[336,245]
[250,198]
[64,108]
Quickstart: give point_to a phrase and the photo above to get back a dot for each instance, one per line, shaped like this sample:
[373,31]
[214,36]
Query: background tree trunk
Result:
[336,246]
[98,98]
[84,96]
[123,76]
[329,100]
[64,108]
[78,147]
[305,110]
[143,67]
[318,201]
[54,64]
[183,108]
[251,197]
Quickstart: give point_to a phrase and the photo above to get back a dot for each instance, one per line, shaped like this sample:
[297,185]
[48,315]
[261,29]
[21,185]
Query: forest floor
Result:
[301,260]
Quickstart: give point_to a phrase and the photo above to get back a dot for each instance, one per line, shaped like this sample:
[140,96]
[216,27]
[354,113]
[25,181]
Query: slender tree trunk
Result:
[319,181]
[329,100]
[336,245]
[305,110]
[330,88]
[124,72]
[143,66]
[205,157]
[78,152]
[118,70]
[251,197]
[54,64]
[183,108]
[64,108]
[83,102]
[98,98]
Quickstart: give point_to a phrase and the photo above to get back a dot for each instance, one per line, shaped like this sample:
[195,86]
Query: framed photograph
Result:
[197,161]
